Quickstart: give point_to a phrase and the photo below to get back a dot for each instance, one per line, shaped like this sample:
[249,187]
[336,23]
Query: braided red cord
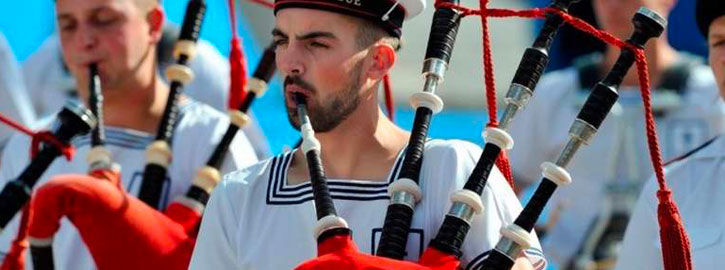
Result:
[502,162]
[673,237]
[233,18]
[39,137]
[389,102]
[263,3]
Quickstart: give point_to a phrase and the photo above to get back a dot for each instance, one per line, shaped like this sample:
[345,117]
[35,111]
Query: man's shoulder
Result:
[709,150]
[450,145]
[439,151]
[252,175]
[210,54]
[684,174]
[200,115]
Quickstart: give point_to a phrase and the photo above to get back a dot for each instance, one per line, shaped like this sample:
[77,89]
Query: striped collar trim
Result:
[129,138]
[278,192]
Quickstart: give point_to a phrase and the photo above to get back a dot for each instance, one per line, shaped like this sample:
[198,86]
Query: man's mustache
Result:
[297,81]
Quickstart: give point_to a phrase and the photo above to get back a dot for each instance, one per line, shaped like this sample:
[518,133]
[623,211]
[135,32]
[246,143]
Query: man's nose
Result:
[290,61]
[87,37]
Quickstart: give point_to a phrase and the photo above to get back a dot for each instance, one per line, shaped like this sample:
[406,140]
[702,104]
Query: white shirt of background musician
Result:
[14,101]
[50,85]
[255,220]
[198,131]
[698,186]
[540,132]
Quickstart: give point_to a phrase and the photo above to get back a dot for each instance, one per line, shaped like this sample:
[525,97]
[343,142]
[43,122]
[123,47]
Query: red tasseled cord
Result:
[673,237]
[237,64]
[389,102]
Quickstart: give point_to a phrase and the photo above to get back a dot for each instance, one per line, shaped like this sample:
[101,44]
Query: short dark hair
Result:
[369,33]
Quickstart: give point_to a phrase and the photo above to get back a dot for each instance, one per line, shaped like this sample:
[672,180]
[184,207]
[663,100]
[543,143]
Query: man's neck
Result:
[660,56]
[137,106]
[356,149]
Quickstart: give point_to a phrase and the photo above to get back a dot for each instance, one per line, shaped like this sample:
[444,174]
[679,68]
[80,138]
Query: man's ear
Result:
[156,17]
[383,58]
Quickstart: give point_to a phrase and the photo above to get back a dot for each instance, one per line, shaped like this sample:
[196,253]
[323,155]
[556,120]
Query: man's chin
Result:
[293,119]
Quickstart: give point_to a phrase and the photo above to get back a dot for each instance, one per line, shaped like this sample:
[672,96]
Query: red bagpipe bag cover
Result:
[120,231]
[340,252]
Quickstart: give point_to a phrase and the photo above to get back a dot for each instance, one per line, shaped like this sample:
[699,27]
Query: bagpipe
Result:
[148,238]
[158,153]
[73,120]
[336,249]
[444,250]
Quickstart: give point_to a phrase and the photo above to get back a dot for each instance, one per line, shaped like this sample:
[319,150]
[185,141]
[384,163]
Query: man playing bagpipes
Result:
[609,174]
[696,179]
[335,53]
[120,36]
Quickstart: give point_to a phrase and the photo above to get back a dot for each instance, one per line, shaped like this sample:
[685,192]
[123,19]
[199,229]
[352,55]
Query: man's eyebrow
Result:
[278,33]
[64,16]
[316,34]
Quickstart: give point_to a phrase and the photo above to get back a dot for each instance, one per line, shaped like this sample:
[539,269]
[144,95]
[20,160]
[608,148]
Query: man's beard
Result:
[326,117]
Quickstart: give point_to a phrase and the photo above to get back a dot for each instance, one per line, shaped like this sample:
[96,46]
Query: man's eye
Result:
[65,27]
[278,43]
[105,21]
[318,45]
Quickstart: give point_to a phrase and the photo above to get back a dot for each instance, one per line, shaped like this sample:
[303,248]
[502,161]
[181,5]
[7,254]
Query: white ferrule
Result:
[469,198]
[238,118]
[327,223]
[517,234]
[207,178]
[99,154]
[309,142]
[185,47]
[428,100]
[40,242]
[499,137]
[159,153]
[556,174]
[259,87]
[406,185]
[180,73]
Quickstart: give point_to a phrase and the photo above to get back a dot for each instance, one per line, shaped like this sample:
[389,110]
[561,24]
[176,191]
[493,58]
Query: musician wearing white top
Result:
[120,37]
[335,53]
[697,180]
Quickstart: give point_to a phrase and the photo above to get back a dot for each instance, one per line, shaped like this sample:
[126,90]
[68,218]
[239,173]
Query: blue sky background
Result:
[26,24]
